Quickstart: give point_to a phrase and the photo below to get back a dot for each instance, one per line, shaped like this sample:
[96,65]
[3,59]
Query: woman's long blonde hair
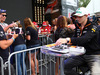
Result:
[28,23]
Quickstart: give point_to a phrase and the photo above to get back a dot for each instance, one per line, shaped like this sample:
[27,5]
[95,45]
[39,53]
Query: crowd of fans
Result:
[61,27]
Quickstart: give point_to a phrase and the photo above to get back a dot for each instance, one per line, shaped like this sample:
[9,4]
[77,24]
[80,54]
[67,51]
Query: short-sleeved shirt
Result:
[34,36]
[4,53]
[19,40]
[46,29]
[4,25]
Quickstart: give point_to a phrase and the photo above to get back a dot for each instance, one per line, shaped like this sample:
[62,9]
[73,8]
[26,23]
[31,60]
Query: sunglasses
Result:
[4,15]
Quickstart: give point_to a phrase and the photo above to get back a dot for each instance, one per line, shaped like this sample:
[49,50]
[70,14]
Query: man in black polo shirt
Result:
[86,35]
[4,44]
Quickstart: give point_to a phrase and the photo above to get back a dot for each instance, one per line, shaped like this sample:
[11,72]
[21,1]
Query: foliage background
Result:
[83,3]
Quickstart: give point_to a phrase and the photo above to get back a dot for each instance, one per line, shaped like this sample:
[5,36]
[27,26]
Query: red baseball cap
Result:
[44,23]
[34,23]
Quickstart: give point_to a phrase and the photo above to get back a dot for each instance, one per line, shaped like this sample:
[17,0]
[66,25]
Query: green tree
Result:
[83,3]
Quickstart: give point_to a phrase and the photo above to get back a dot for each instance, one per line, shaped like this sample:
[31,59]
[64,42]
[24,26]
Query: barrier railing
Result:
[1,66]
[22,51]
[46,67]
[46,39]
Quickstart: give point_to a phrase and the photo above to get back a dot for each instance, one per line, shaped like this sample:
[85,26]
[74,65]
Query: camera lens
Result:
[17,31]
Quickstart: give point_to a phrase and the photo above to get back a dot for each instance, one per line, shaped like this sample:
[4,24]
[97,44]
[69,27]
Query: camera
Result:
[16,30]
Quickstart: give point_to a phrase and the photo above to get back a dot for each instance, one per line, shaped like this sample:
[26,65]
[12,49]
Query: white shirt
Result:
[4,25]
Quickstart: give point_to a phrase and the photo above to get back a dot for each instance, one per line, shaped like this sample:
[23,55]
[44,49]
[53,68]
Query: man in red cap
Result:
[44,29]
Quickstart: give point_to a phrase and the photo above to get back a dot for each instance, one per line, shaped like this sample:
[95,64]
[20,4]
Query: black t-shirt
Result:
[19,40]
[34,36]
[4,53]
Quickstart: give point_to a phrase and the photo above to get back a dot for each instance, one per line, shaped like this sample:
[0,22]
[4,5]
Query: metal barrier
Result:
[22,51]
[1,65]
[43,65]
[46,67]
[46,39]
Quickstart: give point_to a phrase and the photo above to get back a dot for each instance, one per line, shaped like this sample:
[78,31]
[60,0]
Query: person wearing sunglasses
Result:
[86,35]
[5,43]
[3,16]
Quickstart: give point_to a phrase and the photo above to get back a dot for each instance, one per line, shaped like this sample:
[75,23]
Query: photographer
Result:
[4,25]
[4,43]
[4,50]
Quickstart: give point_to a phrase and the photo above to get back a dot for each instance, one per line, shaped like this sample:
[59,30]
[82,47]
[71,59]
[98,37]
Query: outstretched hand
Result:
[61,41]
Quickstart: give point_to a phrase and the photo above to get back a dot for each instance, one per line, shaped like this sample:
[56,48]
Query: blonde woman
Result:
[31,42]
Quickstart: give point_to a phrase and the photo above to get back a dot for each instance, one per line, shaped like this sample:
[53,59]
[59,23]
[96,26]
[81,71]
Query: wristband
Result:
[13,39]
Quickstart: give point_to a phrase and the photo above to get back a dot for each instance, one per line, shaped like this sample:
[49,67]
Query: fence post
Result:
[2,70]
